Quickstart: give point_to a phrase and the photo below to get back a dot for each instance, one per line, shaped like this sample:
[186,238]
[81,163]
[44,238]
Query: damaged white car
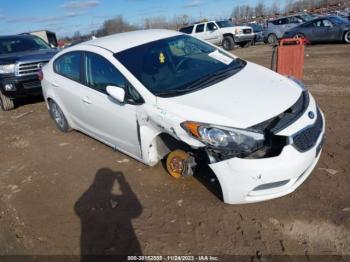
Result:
[160,94]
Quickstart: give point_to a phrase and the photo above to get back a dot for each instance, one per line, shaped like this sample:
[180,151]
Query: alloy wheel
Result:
[58,115]
[347,37]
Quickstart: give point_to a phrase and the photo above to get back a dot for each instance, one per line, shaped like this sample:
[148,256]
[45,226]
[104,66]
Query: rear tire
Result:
[228,43]
[245,44]
[299,35]
[272,39]
[6,103]
[58,116]
[347,37]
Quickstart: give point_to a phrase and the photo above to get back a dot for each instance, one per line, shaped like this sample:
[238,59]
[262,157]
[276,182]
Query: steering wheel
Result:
[181,63]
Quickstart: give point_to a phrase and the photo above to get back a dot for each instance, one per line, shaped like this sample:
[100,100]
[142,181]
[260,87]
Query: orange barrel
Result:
[290,57]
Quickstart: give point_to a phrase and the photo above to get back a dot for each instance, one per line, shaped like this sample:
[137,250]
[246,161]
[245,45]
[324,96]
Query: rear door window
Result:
[295,20]
[282,21]
[200,28]
[187,30]
[69,65]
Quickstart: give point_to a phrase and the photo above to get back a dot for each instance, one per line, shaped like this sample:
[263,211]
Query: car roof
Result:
[17,36]
[287,16]
[203,22]
[122,41]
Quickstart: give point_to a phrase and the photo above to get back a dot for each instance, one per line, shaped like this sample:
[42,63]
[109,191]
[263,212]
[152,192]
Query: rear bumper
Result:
[22,86]
[254,180]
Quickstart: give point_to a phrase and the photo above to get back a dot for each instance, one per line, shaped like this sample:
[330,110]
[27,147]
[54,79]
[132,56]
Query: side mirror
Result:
[117,93]
[214,28]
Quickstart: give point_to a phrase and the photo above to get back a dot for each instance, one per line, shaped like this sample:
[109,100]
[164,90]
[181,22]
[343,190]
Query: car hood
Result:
[233,28]
[28,56]
[253,95]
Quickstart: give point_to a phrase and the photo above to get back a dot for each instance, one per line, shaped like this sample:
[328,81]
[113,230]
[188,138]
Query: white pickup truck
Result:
[223,33]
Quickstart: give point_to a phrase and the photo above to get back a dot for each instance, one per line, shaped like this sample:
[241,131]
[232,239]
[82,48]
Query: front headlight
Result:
[7,69]
[238,31]
[237,140]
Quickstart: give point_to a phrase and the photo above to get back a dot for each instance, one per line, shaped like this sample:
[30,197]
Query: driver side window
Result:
[327,23]
[100,73]
[318,23]
[211,27]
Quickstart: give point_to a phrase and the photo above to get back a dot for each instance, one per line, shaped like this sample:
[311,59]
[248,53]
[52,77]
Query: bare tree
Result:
[116,25]
[260,9]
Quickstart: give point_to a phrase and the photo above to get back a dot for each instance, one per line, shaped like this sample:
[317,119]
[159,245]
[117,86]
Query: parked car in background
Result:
[48,36]
[223,33]
[21,57]
[323,29]
[258,32]
[157,94]
[276,28]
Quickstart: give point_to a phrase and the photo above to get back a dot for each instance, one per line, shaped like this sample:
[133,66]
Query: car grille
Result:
[307,138]
[247,31]
[32,68]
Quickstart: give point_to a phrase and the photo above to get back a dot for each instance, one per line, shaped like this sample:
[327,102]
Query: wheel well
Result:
[48,100]
[172,143]
[230,35]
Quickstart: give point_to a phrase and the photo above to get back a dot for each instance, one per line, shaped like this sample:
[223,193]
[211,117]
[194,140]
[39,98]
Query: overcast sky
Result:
[66,17]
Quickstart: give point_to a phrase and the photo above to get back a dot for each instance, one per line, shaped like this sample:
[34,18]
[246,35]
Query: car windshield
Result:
[338,20]
[178,65]
[9,45]
[223,24]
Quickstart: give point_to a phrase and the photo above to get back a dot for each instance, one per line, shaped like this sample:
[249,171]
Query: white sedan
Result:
[159,94]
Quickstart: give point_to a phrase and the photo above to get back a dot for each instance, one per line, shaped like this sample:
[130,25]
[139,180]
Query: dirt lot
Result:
[68,193]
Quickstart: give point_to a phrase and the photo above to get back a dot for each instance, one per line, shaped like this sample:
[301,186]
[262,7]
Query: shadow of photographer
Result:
[105,217]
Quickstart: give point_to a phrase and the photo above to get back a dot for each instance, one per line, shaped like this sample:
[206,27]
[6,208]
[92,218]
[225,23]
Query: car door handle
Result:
[87,100]
[54,84]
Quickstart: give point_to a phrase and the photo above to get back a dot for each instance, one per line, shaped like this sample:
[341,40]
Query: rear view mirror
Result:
[116,92]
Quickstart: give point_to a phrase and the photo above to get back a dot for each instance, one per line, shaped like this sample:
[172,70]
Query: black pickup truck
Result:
[21,58]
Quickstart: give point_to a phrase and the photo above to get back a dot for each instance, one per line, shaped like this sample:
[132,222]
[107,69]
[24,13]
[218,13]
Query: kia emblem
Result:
[311,115]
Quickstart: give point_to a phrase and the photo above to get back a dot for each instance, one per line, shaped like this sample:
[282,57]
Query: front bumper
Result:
[254,180]
[244,38]
[22,86]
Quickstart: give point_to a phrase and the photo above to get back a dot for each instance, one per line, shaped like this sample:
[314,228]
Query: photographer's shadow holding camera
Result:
[105,217]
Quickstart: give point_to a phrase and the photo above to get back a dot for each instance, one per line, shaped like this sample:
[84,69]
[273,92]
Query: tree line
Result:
[260,10]
[240,13]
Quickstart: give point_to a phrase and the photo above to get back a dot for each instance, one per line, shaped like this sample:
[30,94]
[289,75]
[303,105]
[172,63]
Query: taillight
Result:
[41,75]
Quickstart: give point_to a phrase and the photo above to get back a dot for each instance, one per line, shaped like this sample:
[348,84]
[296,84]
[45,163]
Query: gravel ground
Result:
[68,194]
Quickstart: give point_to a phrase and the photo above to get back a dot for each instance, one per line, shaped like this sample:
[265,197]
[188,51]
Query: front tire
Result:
[299,35]
[59,118]
[228,43]
[6,103]
[347,37]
